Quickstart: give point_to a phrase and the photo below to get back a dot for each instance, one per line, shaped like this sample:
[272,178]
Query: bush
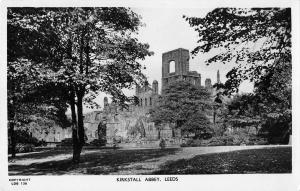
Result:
[276,131]
[226,140]
[66,142]
[24,137]
[98,142]
[217,141]
[218,129]
[194,143]
[162,144]
[23,148]
[41,143]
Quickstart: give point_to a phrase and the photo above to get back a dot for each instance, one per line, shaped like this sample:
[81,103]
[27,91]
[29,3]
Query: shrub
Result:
[276,131]
[228,139]
[98,142]
[24,148]
[24,137]
[66,142]
[162,144]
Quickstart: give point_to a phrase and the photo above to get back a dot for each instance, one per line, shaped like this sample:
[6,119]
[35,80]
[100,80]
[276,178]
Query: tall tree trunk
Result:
[80,118]
[79,130]
[11,119]
[75,137]
[12,139]
[80,93]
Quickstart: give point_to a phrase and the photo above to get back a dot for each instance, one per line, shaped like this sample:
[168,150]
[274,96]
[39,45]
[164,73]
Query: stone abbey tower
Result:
[180,58]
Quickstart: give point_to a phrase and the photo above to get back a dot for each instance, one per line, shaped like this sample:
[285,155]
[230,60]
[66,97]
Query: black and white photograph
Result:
[150,93]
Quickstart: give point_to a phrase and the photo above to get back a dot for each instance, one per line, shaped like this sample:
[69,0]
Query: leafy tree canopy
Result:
[184,104]
[80,52]
[258,40]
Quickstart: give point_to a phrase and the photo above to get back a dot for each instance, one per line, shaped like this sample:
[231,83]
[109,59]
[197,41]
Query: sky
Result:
[165,30]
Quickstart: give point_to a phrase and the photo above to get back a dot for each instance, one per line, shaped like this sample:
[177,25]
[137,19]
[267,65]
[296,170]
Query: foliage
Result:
[162,143]
[183,103]
[257,40]
[98,142]
[24,148]
[197,124]
[92,50]
[240,137]
[23,136]
[27,52]
[243,110]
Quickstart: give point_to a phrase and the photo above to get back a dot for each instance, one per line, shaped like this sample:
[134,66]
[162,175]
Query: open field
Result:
[189,160]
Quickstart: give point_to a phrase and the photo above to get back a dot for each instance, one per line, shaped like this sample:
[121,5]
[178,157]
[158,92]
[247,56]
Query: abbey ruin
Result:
[134,123]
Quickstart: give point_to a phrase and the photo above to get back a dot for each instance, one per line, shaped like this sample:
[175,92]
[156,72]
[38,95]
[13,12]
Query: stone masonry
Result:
[128,125]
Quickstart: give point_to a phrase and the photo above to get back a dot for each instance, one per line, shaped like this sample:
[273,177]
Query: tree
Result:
[96,53]
[235,32]
[25,103]
[184,105]
[197,124]
[258,41]
[244,111]
[29,96]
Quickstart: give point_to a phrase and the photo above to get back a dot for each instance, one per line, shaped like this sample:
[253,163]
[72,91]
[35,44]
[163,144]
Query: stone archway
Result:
[101,129]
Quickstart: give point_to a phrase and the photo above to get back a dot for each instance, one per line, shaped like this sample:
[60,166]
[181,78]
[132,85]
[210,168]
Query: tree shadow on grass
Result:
[41,154]
[103,162]
[266,160]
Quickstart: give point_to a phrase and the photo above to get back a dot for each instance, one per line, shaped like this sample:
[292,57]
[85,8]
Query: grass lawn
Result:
[155,161]
[99,162]
[267,160]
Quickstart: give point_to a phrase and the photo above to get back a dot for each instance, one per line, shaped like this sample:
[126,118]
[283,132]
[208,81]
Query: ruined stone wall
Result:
[49,134]
[120,125]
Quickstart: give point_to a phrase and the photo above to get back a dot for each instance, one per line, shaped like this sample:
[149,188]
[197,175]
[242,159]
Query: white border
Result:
[272,182]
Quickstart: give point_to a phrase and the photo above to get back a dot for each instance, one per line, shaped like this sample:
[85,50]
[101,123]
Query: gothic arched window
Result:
[172,66]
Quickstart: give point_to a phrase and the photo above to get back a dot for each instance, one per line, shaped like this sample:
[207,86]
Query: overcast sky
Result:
[166,30]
